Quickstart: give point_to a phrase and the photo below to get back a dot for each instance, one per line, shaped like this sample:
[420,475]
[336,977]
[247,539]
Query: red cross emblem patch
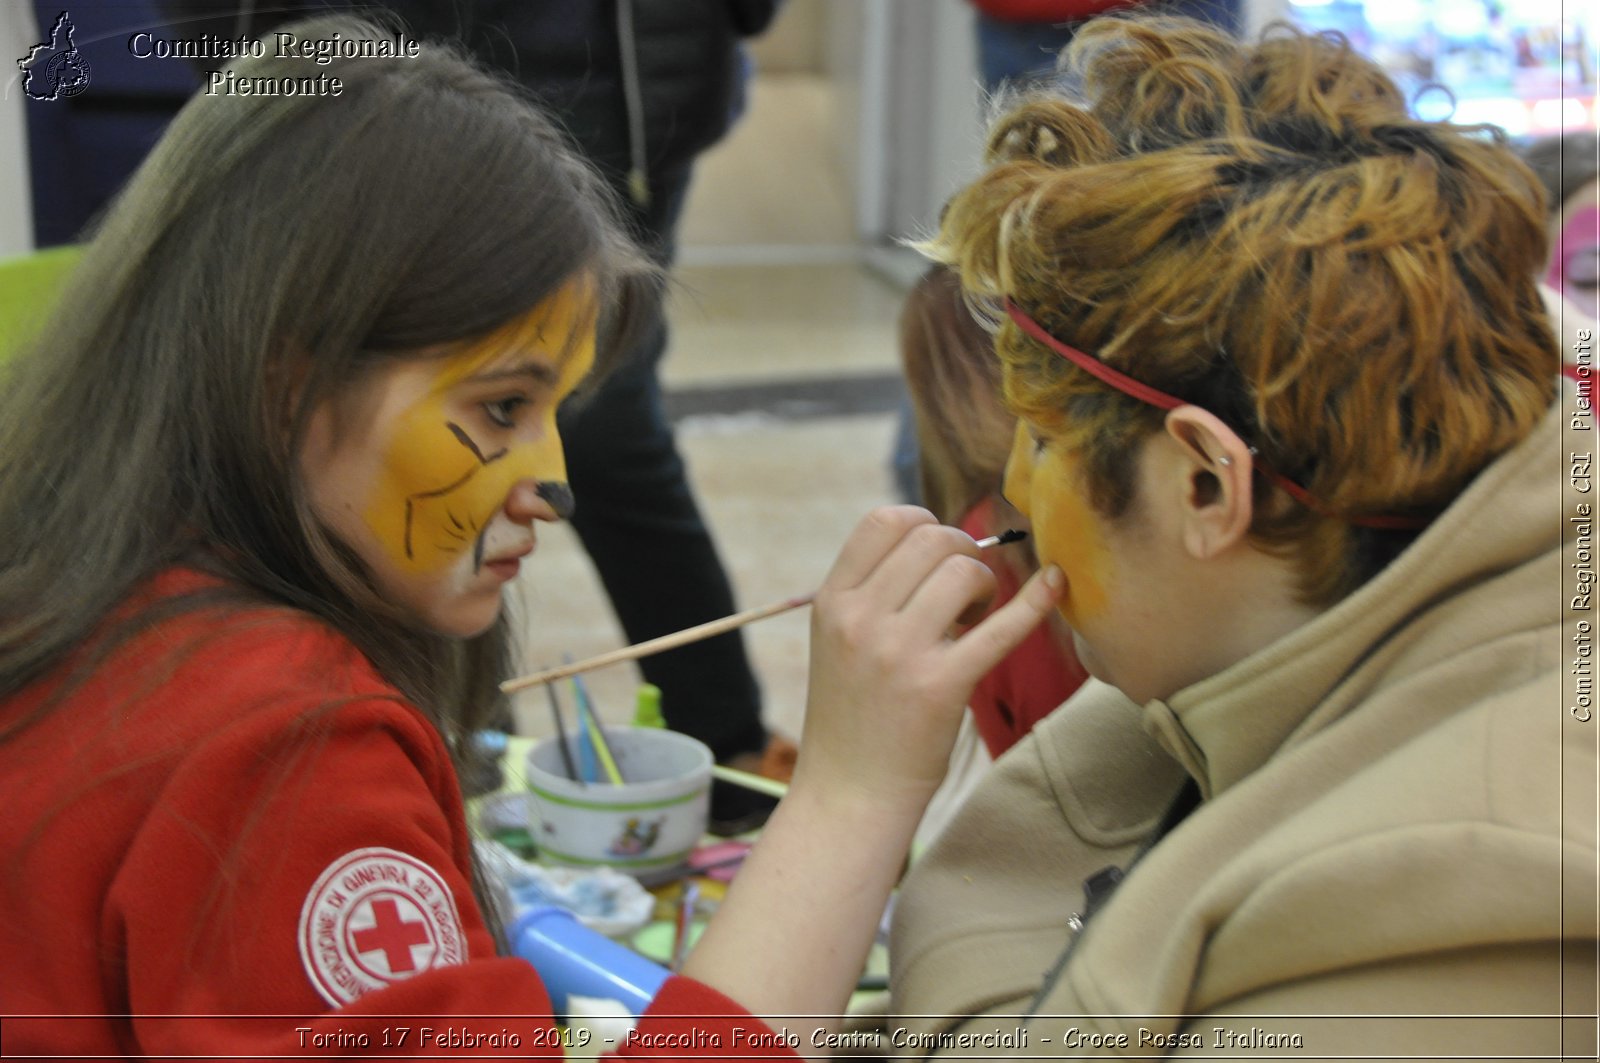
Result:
[374,917]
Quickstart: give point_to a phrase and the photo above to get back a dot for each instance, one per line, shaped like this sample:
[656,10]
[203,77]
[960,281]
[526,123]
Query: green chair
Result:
[29,287]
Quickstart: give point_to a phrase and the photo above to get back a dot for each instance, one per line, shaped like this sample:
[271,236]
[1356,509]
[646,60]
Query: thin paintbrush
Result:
[759,783]
[588,761]
[695,634]
[590,722]
[561,738]
[682,925]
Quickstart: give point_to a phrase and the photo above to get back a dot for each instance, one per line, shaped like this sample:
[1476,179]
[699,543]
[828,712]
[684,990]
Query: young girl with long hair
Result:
[263,480]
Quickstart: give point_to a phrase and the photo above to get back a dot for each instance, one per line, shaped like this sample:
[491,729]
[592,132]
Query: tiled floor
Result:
[759,354]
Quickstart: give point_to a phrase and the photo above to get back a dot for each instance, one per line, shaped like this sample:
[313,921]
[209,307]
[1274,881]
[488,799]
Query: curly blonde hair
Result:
[1263,231]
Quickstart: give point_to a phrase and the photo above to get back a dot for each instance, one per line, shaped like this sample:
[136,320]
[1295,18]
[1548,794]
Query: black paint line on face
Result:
[466,441]
[559,495]
[412,500]
[477,551]
[445,490]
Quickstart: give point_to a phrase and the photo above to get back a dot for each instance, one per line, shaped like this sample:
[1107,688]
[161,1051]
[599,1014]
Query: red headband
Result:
[1162,401]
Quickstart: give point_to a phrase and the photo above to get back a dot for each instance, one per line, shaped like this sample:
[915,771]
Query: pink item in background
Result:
[719,861]
[1575,265]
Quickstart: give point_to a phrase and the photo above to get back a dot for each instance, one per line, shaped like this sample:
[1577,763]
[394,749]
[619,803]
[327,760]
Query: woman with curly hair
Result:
[1290,420]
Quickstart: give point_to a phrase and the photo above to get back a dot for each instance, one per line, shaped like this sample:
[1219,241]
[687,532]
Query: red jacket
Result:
[1047,10]
[234,838]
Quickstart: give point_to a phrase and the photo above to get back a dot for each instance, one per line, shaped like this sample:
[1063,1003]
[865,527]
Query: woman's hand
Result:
[888,682]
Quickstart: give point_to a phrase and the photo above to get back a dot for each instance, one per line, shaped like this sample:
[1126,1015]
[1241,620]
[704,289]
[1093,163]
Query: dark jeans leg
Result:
[1223,14]
[639,522]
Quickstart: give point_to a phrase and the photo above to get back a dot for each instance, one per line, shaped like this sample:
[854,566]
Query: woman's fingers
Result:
[921,556]
[901,570]
[954,591]
[954,586]
[873,538]
[983,647]
[892,553]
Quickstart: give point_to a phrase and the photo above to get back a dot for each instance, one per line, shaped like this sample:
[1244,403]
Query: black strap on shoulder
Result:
[1098,887]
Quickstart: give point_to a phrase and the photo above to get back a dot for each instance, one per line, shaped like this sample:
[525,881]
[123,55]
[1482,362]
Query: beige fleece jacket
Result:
[1398,821]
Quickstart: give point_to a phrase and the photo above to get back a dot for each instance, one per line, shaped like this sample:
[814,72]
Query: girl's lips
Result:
[504,570]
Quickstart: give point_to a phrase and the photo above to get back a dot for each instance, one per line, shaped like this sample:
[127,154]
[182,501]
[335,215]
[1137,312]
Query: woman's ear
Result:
[1218,505]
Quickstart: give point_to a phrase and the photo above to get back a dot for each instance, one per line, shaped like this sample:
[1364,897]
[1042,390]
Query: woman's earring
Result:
[1225,461]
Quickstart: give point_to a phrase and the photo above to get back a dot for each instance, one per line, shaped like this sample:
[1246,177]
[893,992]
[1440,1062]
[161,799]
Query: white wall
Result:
[919,129]
[17,34]
[1257,13]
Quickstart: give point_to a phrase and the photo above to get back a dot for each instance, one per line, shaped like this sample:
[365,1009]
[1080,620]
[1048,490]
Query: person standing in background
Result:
[1019,40]
[82,148]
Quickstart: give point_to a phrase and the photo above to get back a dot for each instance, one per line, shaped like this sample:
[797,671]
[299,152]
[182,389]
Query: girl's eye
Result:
[1039,443]
[503,412]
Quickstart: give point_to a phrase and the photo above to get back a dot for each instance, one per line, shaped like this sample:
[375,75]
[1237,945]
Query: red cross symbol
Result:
[392,933]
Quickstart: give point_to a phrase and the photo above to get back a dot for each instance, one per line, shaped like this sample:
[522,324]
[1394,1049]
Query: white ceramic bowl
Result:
[646,826]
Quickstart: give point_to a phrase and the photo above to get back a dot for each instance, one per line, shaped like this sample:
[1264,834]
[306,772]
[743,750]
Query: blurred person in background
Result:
[964,434]
[1567,167]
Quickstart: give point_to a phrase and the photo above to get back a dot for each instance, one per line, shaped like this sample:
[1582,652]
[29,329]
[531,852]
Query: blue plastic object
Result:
[573,960]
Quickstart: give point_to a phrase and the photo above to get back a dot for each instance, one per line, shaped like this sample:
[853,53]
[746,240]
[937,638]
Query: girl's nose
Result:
[546,500]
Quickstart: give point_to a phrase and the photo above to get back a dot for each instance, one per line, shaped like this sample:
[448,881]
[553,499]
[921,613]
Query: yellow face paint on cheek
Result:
[440,486]
[1047,489]
[444,476]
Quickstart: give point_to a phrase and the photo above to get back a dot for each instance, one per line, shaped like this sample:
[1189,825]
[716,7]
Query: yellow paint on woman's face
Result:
[485,421]
[1044,483]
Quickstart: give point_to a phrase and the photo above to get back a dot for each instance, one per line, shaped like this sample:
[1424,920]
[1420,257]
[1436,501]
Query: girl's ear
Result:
[284,384]
[1215,464]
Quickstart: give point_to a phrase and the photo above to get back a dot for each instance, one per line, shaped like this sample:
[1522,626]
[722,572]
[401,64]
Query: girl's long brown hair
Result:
[269,251]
